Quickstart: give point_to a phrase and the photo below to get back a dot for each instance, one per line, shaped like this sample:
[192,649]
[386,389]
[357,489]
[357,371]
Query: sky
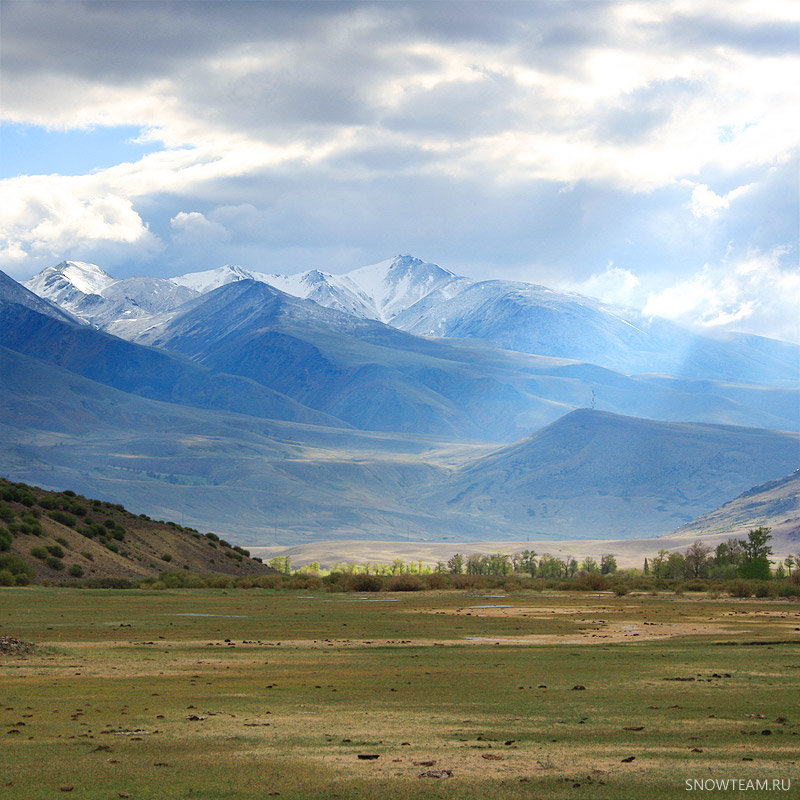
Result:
[642,152]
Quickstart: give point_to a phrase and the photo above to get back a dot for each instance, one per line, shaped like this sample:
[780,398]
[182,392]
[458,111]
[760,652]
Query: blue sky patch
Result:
[35,150]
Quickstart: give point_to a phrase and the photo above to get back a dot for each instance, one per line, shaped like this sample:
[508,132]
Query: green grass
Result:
[292,717]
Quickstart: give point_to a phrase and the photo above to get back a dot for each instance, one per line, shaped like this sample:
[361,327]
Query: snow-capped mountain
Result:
[427,300]
[378,291]
[92,295]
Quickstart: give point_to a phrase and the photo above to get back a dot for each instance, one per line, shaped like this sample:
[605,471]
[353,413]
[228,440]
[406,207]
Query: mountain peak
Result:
[86,278]
[210,279]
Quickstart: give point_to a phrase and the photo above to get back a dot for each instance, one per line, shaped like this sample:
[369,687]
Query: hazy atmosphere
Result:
[642,152]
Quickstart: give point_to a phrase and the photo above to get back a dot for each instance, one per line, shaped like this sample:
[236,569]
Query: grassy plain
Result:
[216,694]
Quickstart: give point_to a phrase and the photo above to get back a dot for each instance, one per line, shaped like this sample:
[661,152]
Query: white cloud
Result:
[756,295]
[614,285]
[707,204]
[194,228]
[46,217]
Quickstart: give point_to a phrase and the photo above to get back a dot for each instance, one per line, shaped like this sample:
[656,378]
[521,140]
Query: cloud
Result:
[536,139]
[757,294]
[193,228]
[49,217]
[615,285]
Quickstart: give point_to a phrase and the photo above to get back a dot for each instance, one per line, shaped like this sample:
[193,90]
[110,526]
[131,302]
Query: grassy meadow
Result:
[215,694]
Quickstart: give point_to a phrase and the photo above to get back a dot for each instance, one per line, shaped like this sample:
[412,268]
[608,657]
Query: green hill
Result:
[63,537]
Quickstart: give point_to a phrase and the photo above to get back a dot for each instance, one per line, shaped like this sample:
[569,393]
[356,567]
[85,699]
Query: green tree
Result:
[608,564]
[455,564]
[590,565]
[281,564]
[697,559]
[477,564]
[498,564]
[551,566]
[756,550]
[676,565]
[572,567]
[527,562]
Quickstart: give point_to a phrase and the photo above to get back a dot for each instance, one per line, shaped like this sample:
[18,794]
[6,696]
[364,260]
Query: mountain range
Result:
[399,400]
[427,300]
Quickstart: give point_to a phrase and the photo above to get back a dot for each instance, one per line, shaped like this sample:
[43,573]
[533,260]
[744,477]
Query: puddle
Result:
[379,599]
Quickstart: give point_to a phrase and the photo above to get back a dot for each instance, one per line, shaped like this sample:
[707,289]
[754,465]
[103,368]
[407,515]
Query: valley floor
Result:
[219,694]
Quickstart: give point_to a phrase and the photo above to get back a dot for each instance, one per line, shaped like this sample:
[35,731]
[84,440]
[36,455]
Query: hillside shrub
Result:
[6,577]
[76,570]
[55,550]
[63,518]
[62,541]
[15,565]
[39,552]
[5,539]
[55,563]
[6,512]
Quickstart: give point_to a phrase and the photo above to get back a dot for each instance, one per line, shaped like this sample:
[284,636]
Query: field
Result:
[218,694]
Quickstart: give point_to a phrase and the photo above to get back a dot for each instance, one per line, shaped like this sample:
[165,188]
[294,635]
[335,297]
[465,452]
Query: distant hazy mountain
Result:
[375,377]
[31,327]
[425,299]
[594,474]
[775,504]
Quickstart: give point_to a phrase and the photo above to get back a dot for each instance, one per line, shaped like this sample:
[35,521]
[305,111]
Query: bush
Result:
[87,555]
[62,541]
[6,577]
[404,583]
[5,539]
[55,550]
[55,563]
[76,570]
[740,588]
[39,552]
[15,565]
[438,580]
[364,583]
[63,518]
[166,557]
[469,581]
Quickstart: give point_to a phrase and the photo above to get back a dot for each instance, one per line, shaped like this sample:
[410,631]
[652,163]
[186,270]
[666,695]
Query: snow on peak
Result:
[86,278]
[210,279]
[398,283]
